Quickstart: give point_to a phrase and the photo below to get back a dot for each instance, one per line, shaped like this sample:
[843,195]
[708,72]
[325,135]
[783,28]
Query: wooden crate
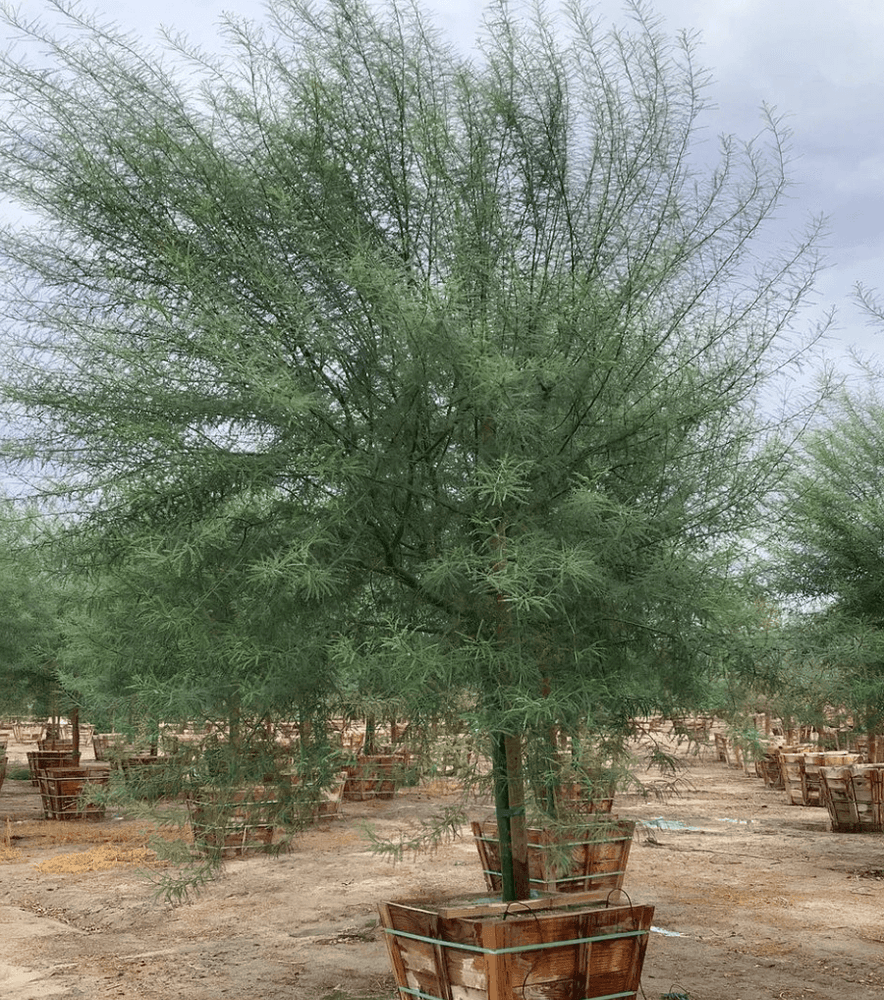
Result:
[39,760]
[108,746]
[230,823]
[374,777]
[309,804]
[569,946]
[65,792]
[591,857]
[855,797]
[812,789]
[791,760]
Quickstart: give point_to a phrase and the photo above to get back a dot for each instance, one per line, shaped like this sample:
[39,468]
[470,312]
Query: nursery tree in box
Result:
[462,351]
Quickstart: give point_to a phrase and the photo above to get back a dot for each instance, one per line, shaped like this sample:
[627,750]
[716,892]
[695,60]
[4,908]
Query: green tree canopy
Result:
[34,599]
[829,557]
[834,520]
[467,350]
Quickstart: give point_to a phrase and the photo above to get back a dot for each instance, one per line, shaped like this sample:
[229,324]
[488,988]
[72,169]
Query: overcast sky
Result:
[816,61]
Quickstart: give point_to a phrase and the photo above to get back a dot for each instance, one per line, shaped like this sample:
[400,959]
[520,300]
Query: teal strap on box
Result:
[430,996]
[556,846]
[562,878]
[517,948]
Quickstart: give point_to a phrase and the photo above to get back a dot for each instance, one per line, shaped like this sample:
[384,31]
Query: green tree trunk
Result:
[509,808]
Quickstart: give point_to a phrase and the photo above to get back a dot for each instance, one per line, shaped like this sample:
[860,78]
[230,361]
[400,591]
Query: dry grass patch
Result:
[53,833]
[96,859]
[109,845]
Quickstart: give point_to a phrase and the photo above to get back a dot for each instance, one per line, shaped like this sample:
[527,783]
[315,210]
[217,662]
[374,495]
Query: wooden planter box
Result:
[854,797]
[565,947]
[25,733]
[870,747]
[112,746]
[374,777]
[64,791]
[811,780]
[592,858]
[230,823]
[801,774]
[695,728]
[574,798]
[39,760]
[734,756]
[328,805]
[318,804]
[768,769]
[792,768]
[53,743]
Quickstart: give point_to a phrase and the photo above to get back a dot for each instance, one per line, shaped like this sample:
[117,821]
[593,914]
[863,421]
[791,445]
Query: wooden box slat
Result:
[554,950]
[594,857]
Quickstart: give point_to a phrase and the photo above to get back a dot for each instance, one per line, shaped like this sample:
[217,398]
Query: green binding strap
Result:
[558,845]
[562,878]
[517,948]
[431,996]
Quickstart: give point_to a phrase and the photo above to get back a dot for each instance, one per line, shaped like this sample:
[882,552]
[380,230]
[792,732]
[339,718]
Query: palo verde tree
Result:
[190,622]
[829,559]
[34,600]
[471,344]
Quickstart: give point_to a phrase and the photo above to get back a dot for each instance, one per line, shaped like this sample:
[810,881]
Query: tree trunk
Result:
[369,743]
[509,807]
[75,732]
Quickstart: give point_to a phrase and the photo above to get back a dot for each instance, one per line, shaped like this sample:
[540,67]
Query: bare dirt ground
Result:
[755,900]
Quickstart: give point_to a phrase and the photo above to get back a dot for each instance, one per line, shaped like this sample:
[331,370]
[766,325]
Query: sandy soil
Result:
[755,899]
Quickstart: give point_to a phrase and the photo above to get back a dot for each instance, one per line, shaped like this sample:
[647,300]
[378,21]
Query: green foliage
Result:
[830,561]
[188,879]
[182,627]
[384,375]
[426,835]
[34,598]
[834,516]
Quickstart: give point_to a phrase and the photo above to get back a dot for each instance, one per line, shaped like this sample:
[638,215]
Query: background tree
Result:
[34,600]
[464,352]
[829,560]
[183,626]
